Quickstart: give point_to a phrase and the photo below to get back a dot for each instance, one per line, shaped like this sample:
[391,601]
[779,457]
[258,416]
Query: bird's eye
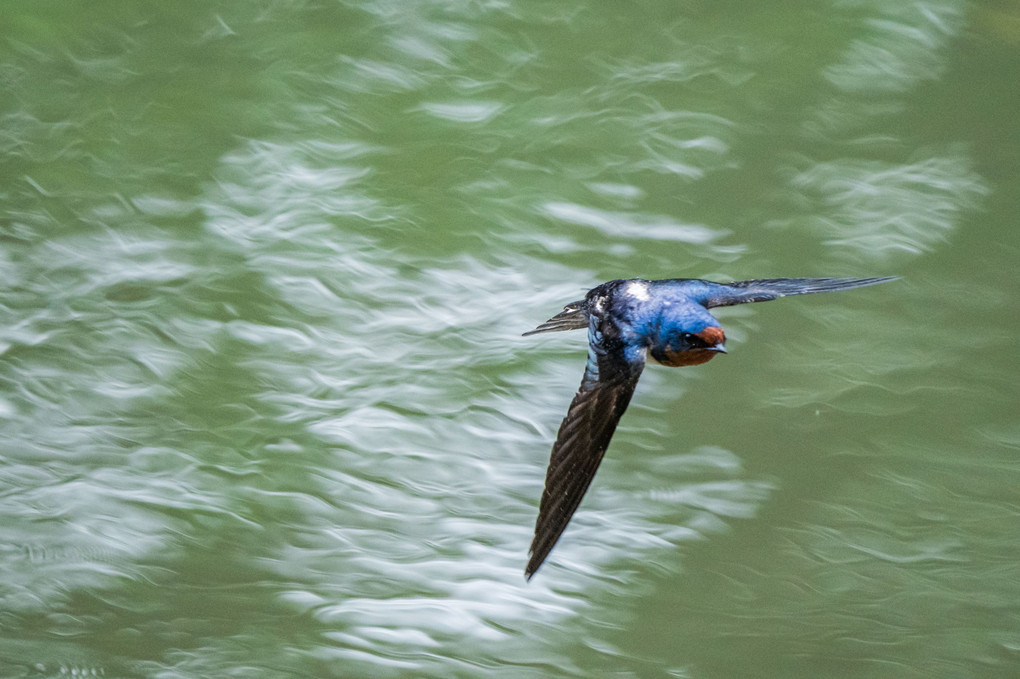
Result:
[692,340]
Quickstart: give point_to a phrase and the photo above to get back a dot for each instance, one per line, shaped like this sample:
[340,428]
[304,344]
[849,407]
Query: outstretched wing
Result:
[608,384]
[742,292]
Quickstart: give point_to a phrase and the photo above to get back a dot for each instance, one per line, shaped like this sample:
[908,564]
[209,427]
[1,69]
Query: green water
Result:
[266,410]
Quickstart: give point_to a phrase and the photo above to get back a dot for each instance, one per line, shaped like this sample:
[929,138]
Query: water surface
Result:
[266,410]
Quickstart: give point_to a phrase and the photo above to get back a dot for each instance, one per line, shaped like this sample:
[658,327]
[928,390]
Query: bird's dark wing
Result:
[742,292]
[572,317]
[608,384]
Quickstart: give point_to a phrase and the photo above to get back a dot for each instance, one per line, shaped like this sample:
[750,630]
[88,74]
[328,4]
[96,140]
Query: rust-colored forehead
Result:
[712,335]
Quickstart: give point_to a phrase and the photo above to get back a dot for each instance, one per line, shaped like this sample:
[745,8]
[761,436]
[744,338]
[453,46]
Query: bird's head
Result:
[690,343]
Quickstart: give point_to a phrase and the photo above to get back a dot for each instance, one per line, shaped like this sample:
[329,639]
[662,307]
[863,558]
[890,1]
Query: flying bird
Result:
[628,322]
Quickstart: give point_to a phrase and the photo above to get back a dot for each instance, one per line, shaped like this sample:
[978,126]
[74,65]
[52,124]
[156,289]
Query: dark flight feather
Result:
[584,435]
[766,289]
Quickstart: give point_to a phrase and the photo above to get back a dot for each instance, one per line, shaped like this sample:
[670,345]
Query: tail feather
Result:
[573,317]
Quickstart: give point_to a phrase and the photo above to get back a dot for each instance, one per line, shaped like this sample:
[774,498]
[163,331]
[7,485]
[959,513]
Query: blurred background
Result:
[265,406]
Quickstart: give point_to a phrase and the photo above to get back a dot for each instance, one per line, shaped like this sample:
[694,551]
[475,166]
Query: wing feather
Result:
[763,290]
[605,391]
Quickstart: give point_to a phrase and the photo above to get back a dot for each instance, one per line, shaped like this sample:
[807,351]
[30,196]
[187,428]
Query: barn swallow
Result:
[629,321]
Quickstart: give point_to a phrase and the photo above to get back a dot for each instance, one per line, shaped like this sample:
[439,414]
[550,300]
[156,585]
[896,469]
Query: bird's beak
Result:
[718,347]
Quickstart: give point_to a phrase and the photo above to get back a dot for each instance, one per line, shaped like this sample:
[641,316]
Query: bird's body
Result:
[629,321]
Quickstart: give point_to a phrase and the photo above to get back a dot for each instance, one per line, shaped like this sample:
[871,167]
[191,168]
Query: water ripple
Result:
[266,407]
